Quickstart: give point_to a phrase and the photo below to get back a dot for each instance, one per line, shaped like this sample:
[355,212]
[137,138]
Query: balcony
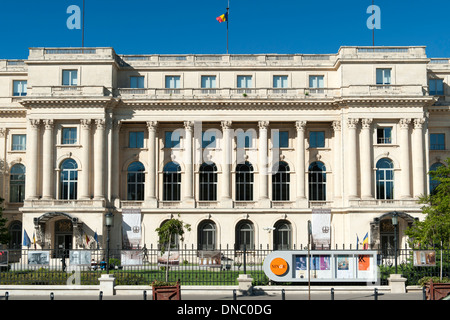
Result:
[385,203]
[65,204]
[67,91]
[385,90]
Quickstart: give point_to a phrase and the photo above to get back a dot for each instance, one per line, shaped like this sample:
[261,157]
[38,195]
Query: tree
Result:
[167,233]
[4,233]
[435,228]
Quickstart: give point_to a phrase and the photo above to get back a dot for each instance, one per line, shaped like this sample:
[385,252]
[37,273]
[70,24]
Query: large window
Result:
[19,142]
[17,183]
[135,181]
[385,179]
[384,135]
[244,182]
[208,82]
[19,88]
[437,141]
[280,82]
[172,182]
[383,76]
[280,182]
[244,81]
[244,235]
[173,82]
[317,177]
[69,180]
[136,139]
[137,82]
[207,235]
[70,78]
[317,139]
[172,139]
[69,136]
[436,87]
[316,82]
[282,235]
[208,182]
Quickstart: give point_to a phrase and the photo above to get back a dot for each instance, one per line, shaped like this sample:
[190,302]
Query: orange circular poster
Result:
[278,266]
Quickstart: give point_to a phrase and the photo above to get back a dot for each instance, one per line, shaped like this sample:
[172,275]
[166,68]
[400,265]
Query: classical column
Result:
[405,188]
[47,160]
[115,169]
[226,200]
[99,171]
[300,164]
[32,159]
[337,171]
[85,158]
[188,183]
[151,176]
[365,159]
[262,164]
[419,172]
[351,162]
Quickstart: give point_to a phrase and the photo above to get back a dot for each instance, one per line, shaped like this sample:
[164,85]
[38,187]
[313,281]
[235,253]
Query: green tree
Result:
[167,233]
[4,233]
[435,228]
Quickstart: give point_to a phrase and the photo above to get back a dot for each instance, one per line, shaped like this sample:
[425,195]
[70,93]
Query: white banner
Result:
[131,228]
[321,228]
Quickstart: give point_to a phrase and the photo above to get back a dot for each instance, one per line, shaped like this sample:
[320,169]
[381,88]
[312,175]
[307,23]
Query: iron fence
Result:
[190,266]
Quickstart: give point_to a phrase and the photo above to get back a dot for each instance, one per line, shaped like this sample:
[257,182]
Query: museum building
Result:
[245,148]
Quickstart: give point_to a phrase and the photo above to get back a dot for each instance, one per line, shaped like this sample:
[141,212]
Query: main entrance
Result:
[63,237]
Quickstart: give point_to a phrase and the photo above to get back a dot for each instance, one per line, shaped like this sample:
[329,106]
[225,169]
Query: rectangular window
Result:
[69,135]
[136,139]
[280,82]
[244,81]
[172,139]
[384,135]
[436,87]
[383,76]
[244,140]
[316,82]
[173,82]
[70,78]
[20,88]
[137,82]
[317,139]
[208,82]
[280,139]
[437,141]
[19,142]
[208,139]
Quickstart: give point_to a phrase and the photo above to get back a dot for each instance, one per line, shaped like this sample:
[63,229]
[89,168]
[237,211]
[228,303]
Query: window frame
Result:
[437,146]
[384,139]
[207,182]
[139,84]
[281,180]
[71,191]
[71,79]
[383,192]
[14,145]
[317,188]
[171,182]
[136,142]
[244,182]
[70,139]
[17,184]
[436,91]
[382,71]
[136,188]
[23,85]
[316,145]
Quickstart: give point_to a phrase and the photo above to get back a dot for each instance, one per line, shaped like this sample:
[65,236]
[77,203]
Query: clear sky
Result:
[255,26]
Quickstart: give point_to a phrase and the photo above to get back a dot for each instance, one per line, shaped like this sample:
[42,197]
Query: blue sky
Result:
[255,26]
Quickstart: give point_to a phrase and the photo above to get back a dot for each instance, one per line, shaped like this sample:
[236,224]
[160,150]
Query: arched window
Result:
[317,178]
[208,182]
[385,179]
[17,183]
[172,182]
[434,183]
[207,235]
[244,181]
[69,180]
[280,182]
[15,233]
[244,235]
[282,235]
[136,181]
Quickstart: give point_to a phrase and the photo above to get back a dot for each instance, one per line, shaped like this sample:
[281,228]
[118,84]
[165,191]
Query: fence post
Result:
[375,294]
[100,296]
[52,296]
[145,295]
[283,294]
[332,293]
[234,294]
[6,295]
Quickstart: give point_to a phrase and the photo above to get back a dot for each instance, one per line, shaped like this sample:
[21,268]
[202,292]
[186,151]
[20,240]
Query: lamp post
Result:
[309,259]
[395,224]
[109,218]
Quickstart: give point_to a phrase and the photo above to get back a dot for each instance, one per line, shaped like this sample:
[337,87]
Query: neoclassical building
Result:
[245,148]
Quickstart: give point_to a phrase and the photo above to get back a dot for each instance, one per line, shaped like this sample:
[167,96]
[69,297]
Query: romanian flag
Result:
[87,239]
[222,18]
[366,241]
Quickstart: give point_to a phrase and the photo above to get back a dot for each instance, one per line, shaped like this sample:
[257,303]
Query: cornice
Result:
[81,102]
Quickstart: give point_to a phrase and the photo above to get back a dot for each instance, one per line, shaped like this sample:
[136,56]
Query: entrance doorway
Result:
[63,238]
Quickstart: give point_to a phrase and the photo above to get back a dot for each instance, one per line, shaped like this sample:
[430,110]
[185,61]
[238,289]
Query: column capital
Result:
[34,123]
[365,123]
[418,123]
[2,132]
[48,124]
[85,123]
[352,123]
[152,125]
[263,125]
[336,125]
[404,123]
[300,125]
[188,125]
[226,124]
[100,123]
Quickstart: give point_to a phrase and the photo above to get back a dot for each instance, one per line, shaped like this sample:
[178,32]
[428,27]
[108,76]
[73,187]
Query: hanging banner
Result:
[321,228]
[131,229]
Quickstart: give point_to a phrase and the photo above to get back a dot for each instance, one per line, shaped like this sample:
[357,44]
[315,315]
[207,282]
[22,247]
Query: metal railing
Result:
[190,266]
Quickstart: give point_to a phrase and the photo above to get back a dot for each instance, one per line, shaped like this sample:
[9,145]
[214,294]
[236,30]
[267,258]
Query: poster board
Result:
[3,257]
[424,258]
[131,257]
[322,265]
[41,258]
[79,258]
[209,258]
[131,228]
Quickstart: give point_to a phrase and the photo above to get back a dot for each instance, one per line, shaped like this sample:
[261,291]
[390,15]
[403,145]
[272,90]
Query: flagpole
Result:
[373,27]
[82,37]
[228,18]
